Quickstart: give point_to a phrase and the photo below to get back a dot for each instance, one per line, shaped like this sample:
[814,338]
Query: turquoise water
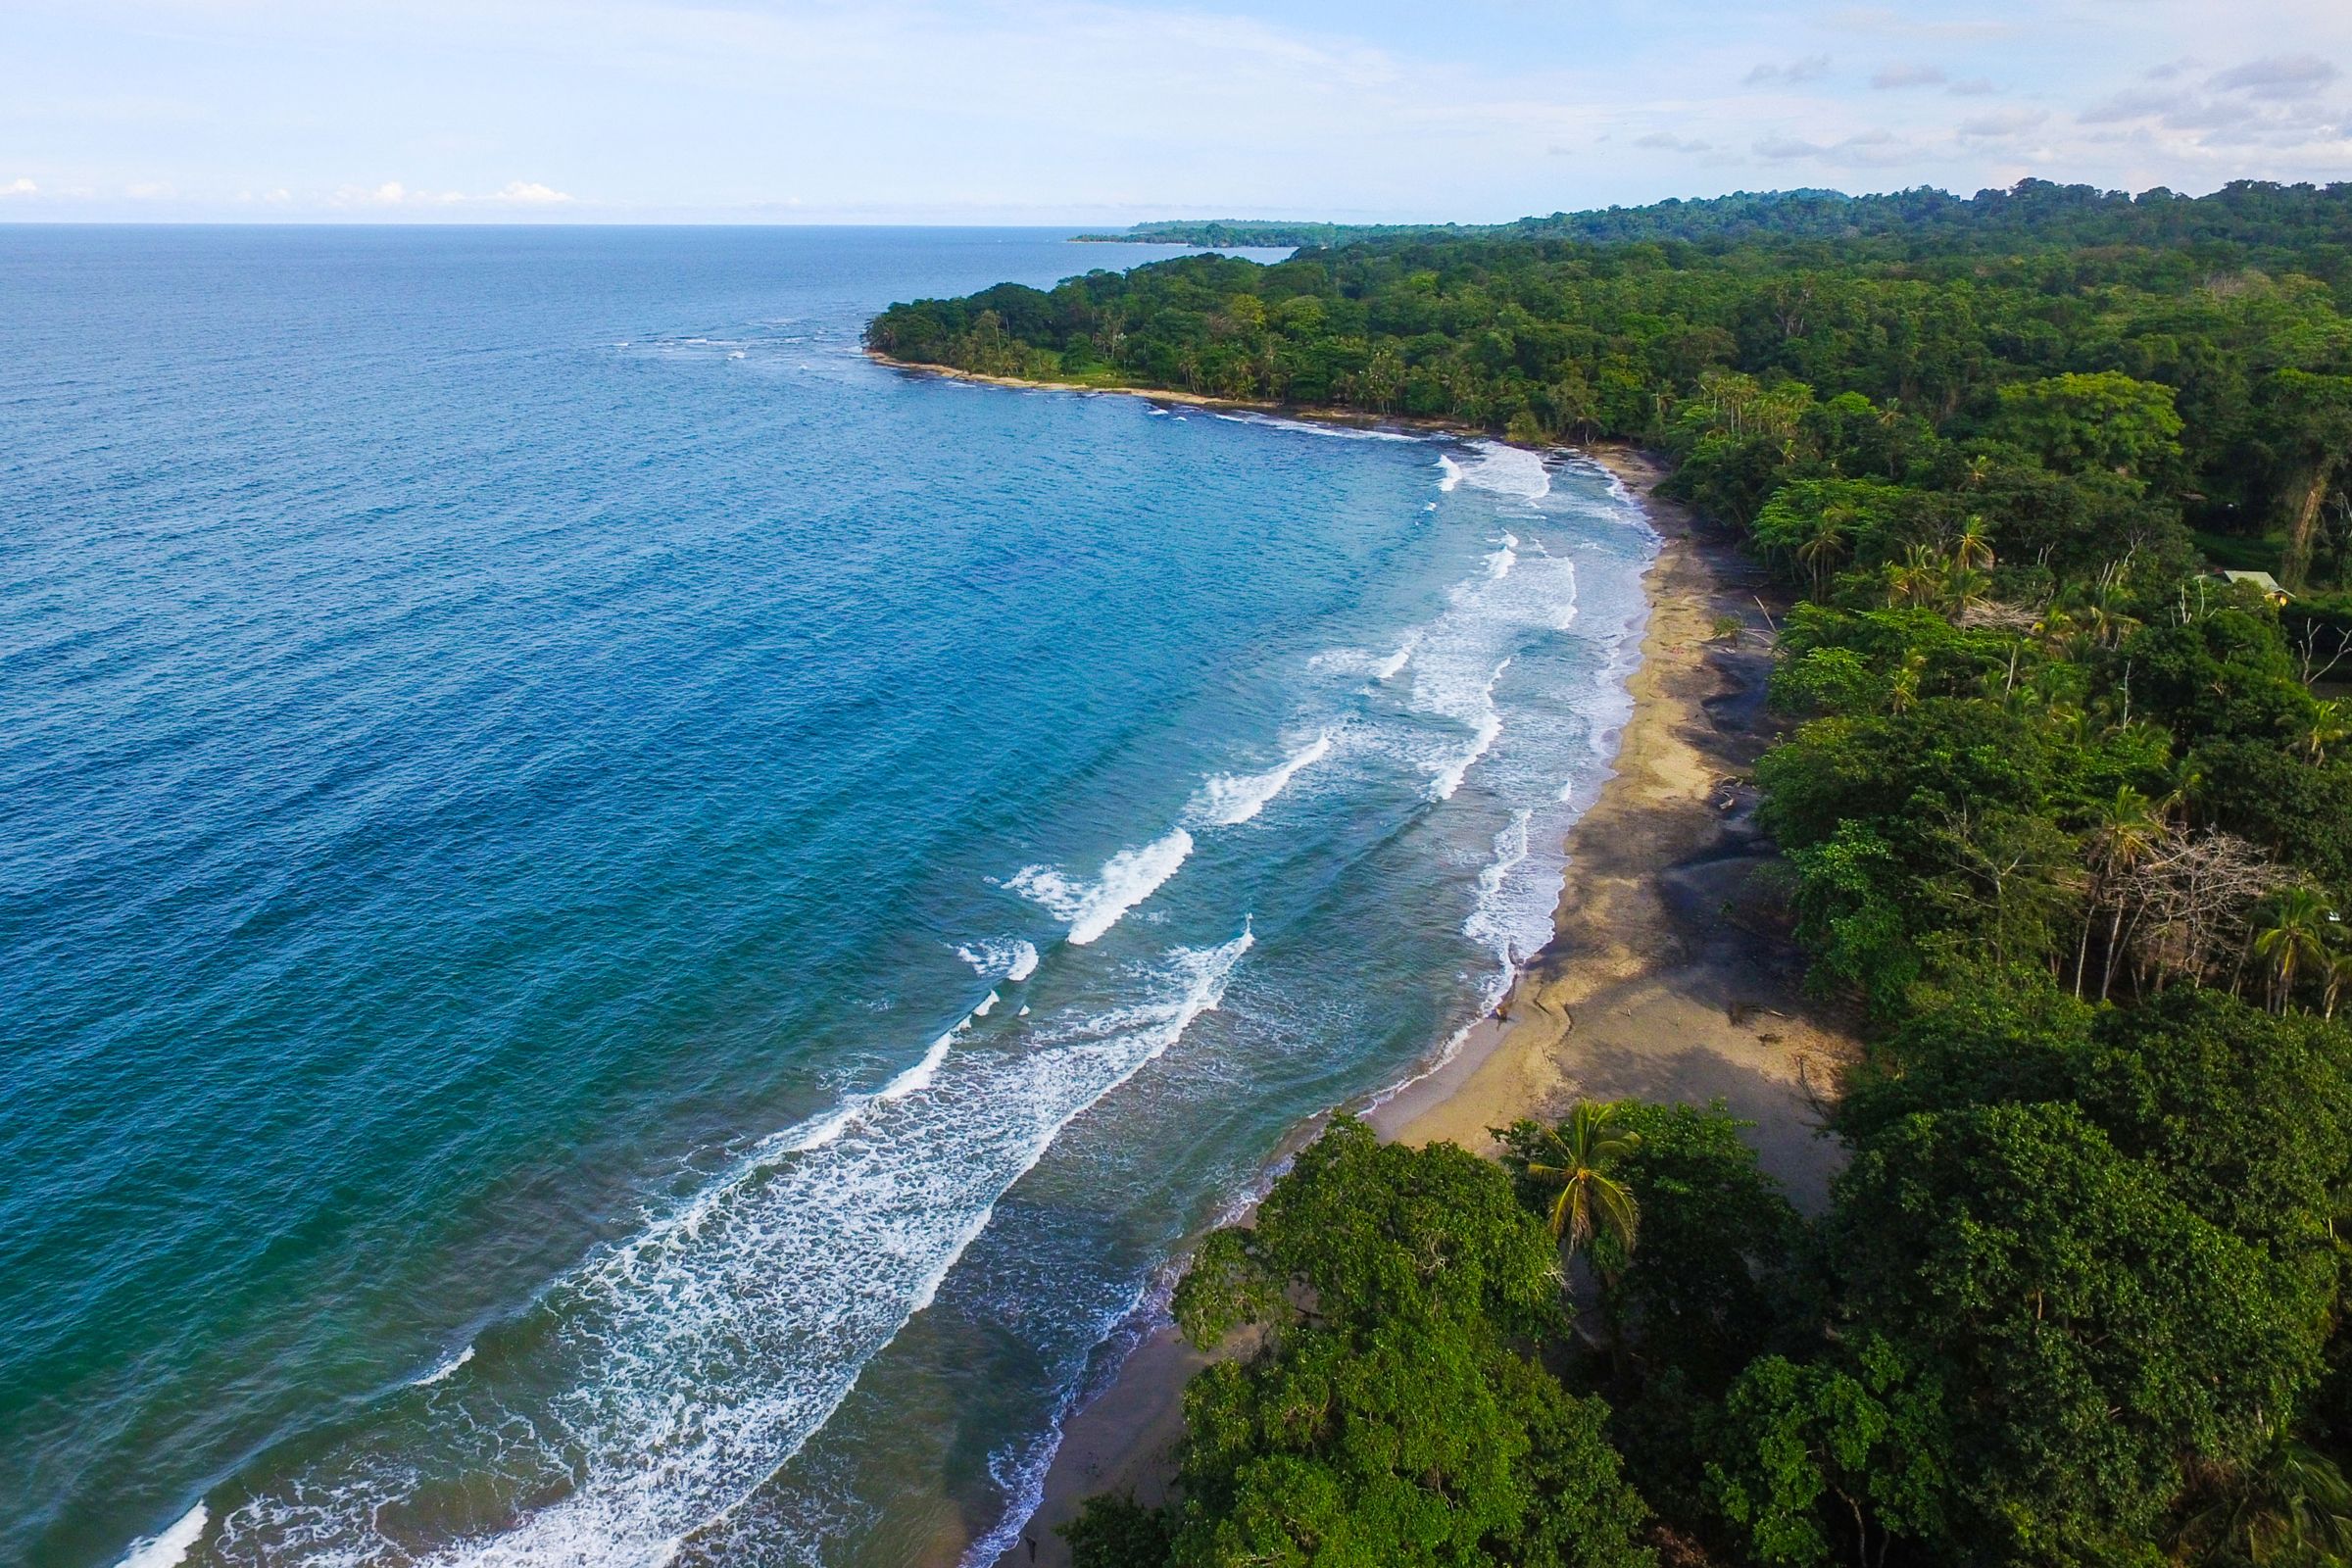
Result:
[623,934]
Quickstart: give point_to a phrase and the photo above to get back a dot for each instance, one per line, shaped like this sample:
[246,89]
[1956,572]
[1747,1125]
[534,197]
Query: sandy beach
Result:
[1669,975]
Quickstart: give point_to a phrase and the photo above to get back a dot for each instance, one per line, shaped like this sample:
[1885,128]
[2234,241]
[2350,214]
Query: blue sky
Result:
[1103,111]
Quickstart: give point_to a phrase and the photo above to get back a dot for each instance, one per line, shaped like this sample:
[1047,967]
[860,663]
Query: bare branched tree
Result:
[2181,908]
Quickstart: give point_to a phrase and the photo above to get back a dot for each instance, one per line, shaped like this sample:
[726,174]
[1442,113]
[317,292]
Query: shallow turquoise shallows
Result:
[620,929]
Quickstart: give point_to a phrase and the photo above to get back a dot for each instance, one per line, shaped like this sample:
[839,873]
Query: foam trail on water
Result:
[1485,727]
[653,1389]
[1389,668]
[1127,879]
[1505,470]
[1343,433]
[446,1367]
[1450,473]
[1510,920]
[1458,659]
[1358,661]
[172,1545]
[1229,799]
[1014,960]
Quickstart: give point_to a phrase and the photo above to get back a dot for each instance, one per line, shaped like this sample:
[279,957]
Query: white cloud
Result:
[531,193]
[1909,76]
[2002,123]
[2263,104]
[2285,75]
[1863,147]
[19,187]
[715,110]
[393,193]
[1812,67]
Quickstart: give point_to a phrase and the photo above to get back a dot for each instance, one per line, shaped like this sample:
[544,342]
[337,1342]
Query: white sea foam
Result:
[1505,558]
[1343,433]
[1458,659]
[1364,661]
[1502,920]
[988,1004]
[1127,879]
[918,1078]
[169,1547]
[1485,728]
[1389,668]
[1010,960]
[1505,470]
[446,1368]
[1230,798]
[1449,472]
[670,1375]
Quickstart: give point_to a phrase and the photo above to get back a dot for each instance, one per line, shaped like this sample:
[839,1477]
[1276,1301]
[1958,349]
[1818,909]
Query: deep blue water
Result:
[525,758]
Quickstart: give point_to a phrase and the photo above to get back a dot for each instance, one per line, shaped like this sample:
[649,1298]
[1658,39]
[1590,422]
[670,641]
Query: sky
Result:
[1103,112]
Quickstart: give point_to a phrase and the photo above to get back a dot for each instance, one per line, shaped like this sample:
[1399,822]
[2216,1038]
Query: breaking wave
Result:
[765,1297]
[1503,470]
[1014,960]
[1230,798]
[172,1545]
[1126,880]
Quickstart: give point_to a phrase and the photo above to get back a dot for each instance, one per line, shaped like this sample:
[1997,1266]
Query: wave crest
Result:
[1127,879]
[1229,799]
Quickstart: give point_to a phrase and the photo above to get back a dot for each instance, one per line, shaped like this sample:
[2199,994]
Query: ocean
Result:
[628,937]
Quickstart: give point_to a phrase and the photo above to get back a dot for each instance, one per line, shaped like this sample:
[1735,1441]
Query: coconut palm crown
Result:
[1580,1152]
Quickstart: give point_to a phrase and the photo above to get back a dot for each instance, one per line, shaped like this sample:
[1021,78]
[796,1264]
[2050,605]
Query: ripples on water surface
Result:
[623,933]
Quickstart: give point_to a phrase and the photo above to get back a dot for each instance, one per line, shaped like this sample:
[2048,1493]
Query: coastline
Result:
[1198,400]
[1669,974]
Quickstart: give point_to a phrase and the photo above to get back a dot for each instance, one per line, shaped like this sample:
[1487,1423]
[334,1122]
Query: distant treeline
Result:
[1232,234]
[2076,215]
[2065,819]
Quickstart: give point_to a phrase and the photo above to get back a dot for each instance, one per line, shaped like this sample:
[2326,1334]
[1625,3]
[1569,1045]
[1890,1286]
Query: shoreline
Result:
[1669,974]
[1305,414]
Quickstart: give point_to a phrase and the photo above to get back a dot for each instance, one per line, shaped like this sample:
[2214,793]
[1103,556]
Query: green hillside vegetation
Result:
[2067,820]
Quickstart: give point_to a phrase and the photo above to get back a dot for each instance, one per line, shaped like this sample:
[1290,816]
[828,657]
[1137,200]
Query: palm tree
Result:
[2338,979]
[1916,580]
[1582,1150]
[2294,941]
[2295,1509]
[2124,832]
[2109,619]
[1902,693]
[2331,722]
[1965,588]
[1972,549]
[1825,546]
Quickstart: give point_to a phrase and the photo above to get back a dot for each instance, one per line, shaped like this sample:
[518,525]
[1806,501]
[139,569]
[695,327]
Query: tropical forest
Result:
[2056,487]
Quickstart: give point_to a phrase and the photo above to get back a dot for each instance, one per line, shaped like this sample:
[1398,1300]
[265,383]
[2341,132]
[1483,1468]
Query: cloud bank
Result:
[1097,110]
